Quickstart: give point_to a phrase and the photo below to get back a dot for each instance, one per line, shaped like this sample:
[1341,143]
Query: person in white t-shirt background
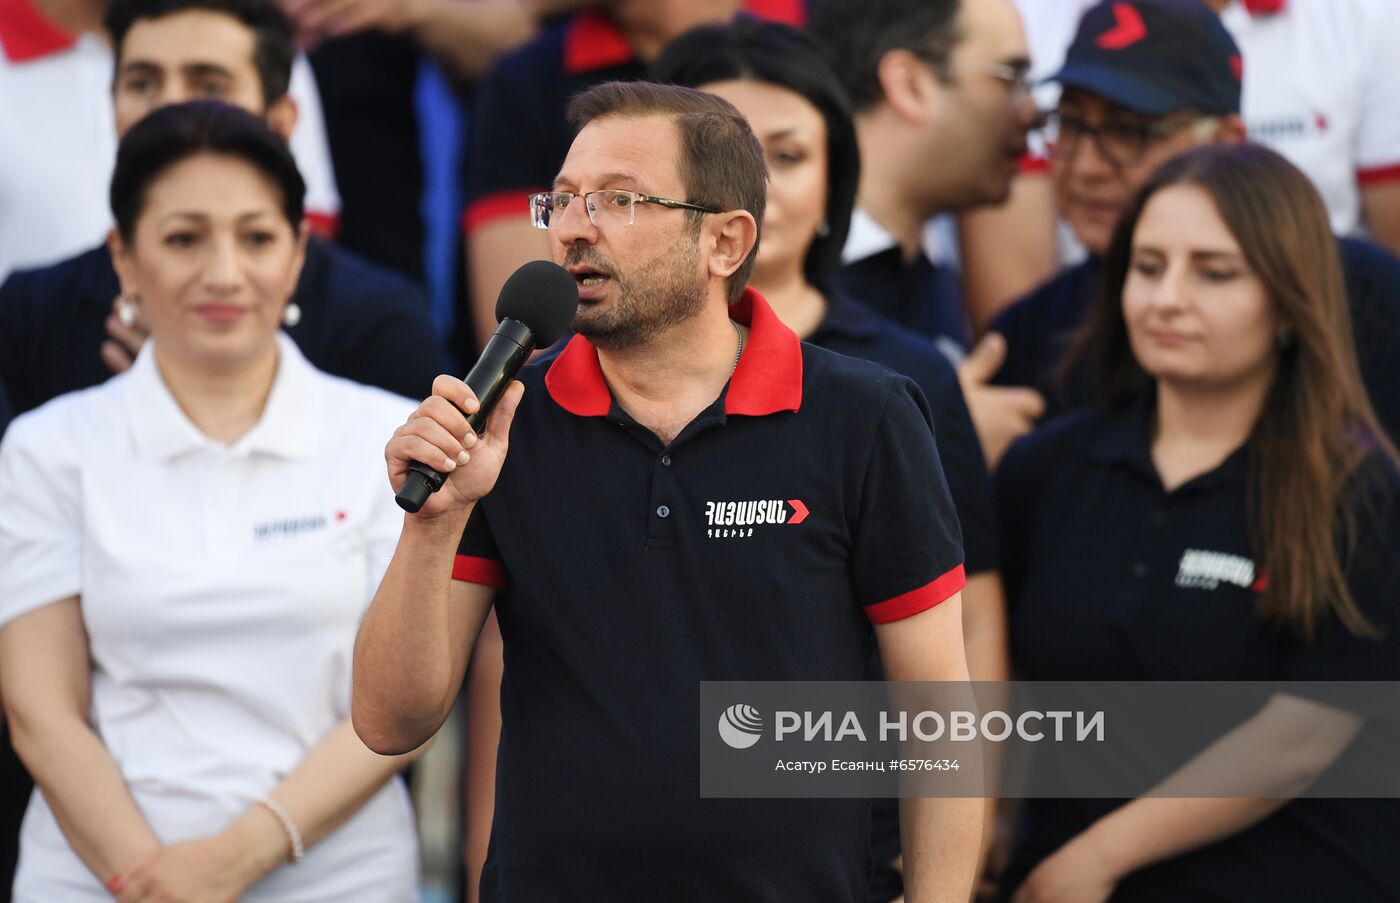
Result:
[185,553]
[57,148]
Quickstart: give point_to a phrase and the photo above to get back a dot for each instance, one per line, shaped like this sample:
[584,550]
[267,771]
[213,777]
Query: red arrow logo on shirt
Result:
[799,512]
[1126,31]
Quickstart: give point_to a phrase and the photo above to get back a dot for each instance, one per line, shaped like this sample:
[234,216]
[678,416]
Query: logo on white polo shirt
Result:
[1278,129]
[737,520]
[293,527]
[740,726]
[1200,569]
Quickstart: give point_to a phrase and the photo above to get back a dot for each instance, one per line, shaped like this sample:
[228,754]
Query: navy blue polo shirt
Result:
[800,507]
[1110,577]
[853,329]
[1039,328]
[359,321]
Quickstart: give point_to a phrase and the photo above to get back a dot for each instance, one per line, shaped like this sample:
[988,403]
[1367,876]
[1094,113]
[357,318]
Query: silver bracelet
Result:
[293,835]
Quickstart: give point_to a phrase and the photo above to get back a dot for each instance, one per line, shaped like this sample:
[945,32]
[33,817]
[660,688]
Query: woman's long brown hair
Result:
[1317,427]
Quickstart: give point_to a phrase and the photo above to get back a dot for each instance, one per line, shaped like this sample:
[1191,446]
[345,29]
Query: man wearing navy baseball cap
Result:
[1144,81]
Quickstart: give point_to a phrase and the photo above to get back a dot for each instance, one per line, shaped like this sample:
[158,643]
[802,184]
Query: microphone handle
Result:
[505,354]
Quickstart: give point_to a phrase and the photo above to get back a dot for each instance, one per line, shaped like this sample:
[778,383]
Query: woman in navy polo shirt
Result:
[1229,515]
[185,554]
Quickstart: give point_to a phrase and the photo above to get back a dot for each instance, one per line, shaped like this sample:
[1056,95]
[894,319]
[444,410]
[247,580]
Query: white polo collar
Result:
[287,428]
[866,238]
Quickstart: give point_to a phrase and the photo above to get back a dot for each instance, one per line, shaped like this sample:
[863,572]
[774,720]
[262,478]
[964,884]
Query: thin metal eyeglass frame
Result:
[537,218]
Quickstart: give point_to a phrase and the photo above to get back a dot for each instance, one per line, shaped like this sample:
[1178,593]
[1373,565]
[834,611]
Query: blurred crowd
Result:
[1138,256]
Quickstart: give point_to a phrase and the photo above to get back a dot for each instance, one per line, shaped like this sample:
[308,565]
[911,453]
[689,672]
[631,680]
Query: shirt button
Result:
[665,460]
[1140,569]
[1159,516]
[663,511]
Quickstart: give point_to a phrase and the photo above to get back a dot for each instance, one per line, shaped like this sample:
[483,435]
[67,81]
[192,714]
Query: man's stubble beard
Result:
[666,292]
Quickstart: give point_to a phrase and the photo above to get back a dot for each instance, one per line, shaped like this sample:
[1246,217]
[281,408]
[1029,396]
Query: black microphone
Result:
[535,307]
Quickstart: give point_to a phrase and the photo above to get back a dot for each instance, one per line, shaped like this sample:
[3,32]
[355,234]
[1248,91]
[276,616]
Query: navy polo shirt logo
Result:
[737,519]
[1200,569]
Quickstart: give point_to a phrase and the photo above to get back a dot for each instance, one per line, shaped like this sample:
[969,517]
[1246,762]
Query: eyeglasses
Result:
[606,207]
[1121,143]
[1016,76]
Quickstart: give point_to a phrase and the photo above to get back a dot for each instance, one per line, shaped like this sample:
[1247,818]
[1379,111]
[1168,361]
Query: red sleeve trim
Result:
[1377,175]
[917,600]
[486,571]
[1033,165]
[496,206]
[788,12]
[326,225]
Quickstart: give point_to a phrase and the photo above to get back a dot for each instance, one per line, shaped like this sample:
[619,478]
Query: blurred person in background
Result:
[1131,100]
[185,552]
[1234,425]
[64,327]
[942,109]
[942,112]
[380,65]
[1319,88]
[55,67]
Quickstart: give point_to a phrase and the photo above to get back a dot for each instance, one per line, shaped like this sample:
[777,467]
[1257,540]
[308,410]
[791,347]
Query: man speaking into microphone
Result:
[623,580]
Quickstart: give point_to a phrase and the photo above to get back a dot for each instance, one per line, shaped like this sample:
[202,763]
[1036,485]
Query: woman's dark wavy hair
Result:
[1310,448]
[173,134]
[749,49]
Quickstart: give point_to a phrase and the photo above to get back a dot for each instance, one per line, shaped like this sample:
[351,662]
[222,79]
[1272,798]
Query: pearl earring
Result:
[126,310]
[824,230]
[291,314]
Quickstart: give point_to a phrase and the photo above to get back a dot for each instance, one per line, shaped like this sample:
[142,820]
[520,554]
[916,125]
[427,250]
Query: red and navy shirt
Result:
[760,544]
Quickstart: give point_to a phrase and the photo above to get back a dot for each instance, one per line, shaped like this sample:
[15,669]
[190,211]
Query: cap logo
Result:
[1128,28]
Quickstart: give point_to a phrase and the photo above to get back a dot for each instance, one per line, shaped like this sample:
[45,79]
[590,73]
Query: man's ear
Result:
[121,262]
[282,116]
[906,82]
[1230,130]
[734,235]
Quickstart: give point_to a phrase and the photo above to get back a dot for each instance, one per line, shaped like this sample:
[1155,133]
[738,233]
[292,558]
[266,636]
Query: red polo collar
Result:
[1264,7]
[26,35]
[767,380]
[592,41]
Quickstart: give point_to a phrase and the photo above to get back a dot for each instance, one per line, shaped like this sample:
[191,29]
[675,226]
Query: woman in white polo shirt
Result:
[185,553]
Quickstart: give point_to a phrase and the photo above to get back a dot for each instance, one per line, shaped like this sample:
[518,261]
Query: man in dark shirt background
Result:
[58,328]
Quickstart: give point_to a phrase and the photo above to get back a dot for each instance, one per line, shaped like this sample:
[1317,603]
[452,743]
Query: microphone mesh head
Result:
[543,296]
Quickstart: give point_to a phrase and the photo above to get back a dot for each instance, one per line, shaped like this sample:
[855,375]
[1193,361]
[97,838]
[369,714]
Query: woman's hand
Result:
[215,869]
[437,435]
[1075,873]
